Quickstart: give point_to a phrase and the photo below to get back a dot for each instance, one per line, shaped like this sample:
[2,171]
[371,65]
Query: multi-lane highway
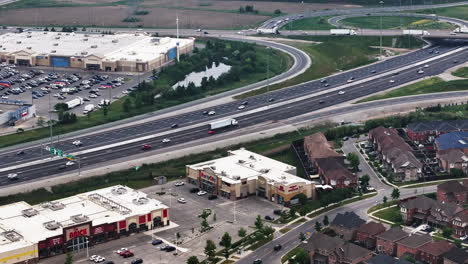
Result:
[283,103]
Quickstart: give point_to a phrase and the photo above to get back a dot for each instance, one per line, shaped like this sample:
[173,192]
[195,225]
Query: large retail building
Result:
[138,52]
[29,233]
[243,173]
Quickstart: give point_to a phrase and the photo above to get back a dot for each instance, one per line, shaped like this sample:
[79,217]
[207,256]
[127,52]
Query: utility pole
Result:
[50,121]
[177,44]
[381,4]
[268,68]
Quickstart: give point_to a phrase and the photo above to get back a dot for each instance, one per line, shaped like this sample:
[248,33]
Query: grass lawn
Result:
[285,230]
[462,72]
[380,206]
[456,11]
[390,214]
[393,22]
[290,254]
[309,23]
[432,85]
[336,53]
[279,62]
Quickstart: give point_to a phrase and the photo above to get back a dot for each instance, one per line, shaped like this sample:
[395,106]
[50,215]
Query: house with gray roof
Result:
[346,225]
[412,244]
[455,256]
[386,241]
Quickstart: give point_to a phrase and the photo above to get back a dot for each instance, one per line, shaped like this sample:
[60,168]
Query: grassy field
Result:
[334,54]
[279,62]
[457,11]
[310,23]
[462,72]
[391,214]
[393,22]
[432,85]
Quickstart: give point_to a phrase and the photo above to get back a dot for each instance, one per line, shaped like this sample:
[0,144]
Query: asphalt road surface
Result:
[288,110]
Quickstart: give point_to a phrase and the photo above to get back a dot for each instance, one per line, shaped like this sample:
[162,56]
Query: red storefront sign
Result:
[42,244]
[293,188]
[77,232]
[98,230]
[209,178]
[141,219]
[51,242]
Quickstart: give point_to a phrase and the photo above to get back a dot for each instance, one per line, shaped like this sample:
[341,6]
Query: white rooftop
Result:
[122,46]
[242,164]
[101,206]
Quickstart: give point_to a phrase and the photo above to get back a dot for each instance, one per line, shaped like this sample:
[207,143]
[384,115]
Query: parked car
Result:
[277,211]
[269,218]
[156,242]
[212,197]
[200,193]
[121,251]
[170,248]
[277,247]
[257,261]
[137,261]
[194,190]
[128,254]
[182,200]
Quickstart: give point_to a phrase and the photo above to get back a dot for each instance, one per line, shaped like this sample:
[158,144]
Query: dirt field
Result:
[207,14]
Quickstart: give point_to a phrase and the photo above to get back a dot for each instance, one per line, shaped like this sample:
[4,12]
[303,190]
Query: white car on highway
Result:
[70,163]
[341,92]
[77,143]
[426,66]
[200,193]
[166,140]
[211,113]
[12,176]
[179,183]
[420,71]
[240,107]
[392,81]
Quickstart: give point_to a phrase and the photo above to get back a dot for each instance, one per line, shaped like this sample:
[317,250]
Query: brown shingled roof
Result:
[393,234]
[436,248]
[451,186]
[317,147]
[372,228]
[415,241]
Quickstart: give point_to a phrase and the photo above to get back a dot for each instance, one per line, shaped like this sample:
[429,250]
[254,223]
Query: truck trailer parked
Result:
[223,123]
[75,102]
[415,32]
[88,108]
[273,30]
[349,32]
[461,30]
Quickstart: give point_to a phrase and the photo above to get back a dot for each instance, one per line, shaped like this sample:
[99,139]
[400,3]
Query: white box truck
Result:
[223,123]
[104,102]
[343,31]
[273,30]
[415,32]
[88,108]
[75,102]
[461,30]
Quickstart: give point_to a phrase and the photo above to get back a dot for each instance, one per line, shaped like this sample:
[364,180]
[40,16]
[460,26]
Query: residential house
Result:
[431,253]
[442,214]
[460,224]
[453,192]
[324,249]
[452,159]
[330,164]
[453,140]
[426,132]
[455,256]
[412,244]
[367,234]
[395,154]
[385,259]
[417,209]
[346,225]
[386,241]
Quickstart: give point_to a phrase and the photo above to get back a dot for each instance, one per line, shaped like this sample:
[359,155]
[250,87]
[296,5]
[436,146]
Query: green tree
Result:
[302,257]
[385,199]
[325,220]
[318,226]
[292,212]
[302,198]
[302,236]
[268,231]
[210,250]
[105,110]
[226,242]
[61,107]
[395,193]
[258,222]
[364,181]
[277,11]
[242,232]
[127,105]
[204,225]
[447,232]
[69,258]
[456,173]
[46,29]
[53,29]
[353,159]
[193,260]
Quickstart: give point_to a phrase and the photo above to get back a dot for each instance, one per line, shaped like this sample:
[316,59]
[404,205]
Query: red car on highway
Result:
[146,147]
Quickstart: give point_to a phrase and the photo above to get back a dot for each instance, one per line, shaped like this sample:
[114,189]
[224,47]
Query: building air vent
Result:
[45,33]
[54,206]
[115,40]
[264,170]
[57,37]
[85,39]
[52,225]
[86,35]
[241,161]
[252,157]
[55,44]
[80,218]
[93,46]
[213,167]
[251,165]
[223,173]
[53,51]
[138,60]
[237,177]
[29,48]
[12,235]
[67,34]
[29,212]
[84,53]
[141,201]
[59,34]
[118,191]
[18,42]
[28,36]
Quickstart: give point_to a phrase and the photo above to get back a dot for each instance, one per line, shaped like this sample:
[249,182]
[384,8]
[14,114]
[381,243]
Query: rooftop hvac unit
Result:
[12,235]
[141,201]
[55,206]
[84,53]
[57,37]
[29,212]
[93,46]
[67,34]
[223,173]
[237,177]
[45,33]
[59,33]
[52,225]
[53,51]
[80,218]
[138,60]
[252,157]
[115,40]
[28,36]
[55,44]
[132,53]
[241,161]
[86,35]
[213,167]
[85,39]
[118,191]
[29,47]
[18,42]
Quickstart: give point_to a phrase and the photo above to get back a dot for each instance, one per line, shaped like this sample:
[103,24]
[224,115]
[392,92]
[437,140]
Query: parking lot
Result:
[36,85]
[184,217]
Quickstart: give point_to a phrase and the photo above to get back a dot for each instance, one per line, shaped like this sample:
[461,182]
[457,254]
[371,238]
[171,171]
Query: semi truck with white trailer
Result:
[88,108]
[223,123]
[415,32]
[343,31]
[461,30]
[273,30]
[75,102]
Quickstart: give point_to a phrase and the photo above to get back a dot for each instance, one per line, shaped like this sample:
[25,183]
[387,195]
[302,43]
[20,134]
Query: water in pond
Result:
[196,77]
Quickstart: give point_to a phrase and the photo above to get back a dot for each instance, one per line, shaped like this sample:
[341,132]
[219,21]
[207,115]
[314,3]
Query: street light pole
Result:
[381,4]
[50,122]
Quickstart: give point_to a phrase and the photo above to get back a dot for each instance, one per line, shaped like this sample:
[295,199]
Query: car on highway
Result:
[245,103]
[327,84]
[426,66]
[70,163]
[210,113]
[240,107]
[341,92]
[455,61]
[166,140]
[463,238]
[174,125]
[321,102]
[181,200]
[392,81]
[169,248]
[323,80]
[257,261]
[211,132]
[21,152]
[373,71]
[200,193]
[99,259]
[77,143]
[205,112]
[156,242]
[277,247]
[146,147]
[271,100]
[12,176]
[212,197]
[350,80]
[179,183]
[420,71]
[62,167]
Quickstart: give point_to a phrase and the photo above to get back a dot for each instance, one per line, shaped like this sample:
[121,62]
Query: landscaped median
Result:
[462,72]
